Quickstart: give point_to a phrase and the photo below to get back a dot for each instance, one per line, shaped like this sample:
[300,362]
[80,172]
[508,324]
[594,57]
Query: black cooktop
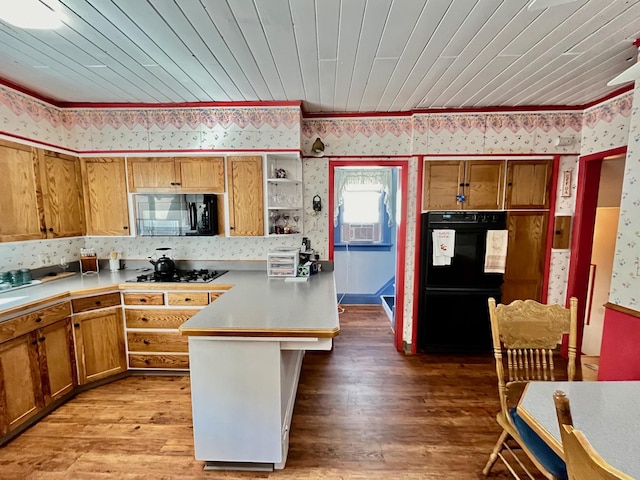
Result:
[180,276]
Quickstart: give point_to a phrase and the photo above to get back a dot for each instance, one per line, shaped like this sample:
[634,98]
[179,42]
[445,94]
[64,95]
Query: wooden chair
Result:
[526,335]
[583,462]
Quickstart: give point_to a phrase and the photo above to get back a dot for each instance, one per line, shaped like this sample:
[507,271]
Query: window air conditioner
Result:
[360,232]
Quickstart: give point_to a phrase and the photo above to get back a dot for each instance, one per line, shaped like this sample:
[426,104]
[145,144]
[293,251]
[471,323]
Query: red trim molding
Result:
[550,227]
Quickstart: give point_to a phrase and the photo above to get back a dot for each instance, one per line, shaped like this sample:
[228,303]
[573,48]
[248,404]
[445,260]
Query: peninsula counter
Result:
[245,352]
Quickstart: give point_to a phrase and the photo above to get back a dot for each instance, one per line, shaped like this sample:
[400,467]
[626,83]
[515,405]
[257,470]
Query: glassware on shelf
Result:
[296,228]
[63,264]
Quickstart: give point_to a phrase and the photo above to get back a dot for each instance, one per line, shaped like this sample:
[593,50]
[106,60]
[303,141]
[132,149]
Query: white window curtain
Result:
[343,177]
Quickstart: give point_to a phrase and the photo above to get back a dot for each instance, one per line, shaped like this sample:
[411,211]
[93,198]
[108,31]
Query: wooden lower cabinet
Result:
[100,344]
[524,271]
[36,369]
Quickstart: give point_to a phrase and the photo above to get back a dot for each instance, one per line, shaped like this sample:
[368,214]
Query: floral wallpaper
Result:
[606,126]
[625,281]
[599,128]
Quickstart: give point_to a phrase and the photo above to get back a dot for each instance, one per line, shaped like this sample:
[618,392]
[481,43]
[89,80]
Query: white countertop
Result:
[255,304]
[608,413]
[258,304]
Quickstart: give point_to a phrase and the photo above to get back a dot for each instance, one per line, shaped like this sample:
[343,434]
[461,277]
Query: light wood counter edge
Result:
[544,434]
[252,332]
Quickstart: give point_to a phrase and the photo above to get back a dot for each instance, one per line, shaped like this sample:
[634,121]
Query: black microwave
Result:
[176,215]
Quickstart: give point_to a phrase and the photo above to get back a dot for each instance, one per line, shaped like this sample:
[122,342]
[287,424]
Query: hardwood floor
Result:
[363,411]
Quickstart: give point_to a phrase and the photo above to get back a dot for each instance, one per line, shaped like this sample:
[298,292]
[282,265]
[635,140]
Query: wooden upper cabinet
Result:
[246,203]
[176,175]
[200,174]
[479,182]
[20,198]
[528,184]
[442,182]
[484,184]
[105,196]
[62,194]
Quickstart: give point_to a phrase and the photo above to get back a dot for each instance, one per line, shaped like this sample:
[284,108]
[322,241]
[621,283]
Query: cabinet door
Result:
[152,175]
[484,185]
[528,183]
[100,345]
[21,393]
[246,204]
[57,360]
[200,174]
[62,193]
[20,201]
[105,193]
[442,182]
[525,256]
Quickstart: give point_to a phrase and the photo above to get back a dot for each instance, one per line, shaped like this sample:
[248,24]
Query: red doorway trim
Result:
[589,167]
[403,179]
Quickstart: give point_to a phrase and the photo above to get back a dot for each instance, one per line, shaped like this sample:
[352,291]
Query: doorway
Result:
[582,243]
[367,234]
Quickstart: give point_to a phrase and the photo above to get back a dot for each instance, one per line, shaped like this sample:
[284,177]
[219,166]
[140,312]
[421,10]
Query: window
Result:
[362,214]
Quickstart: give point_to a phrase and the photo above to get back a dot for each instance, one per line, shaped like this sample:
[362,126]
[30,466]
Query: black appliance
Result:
[176,215]
[180,276]
[453,311]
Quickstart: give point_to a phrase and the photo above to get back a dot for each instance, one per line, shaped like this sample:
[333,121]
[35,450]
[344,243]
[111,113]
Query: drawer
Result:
[142,298]
[157,342]
[161,318]
[97,301]
[168,362]
[188,298]
[27,323]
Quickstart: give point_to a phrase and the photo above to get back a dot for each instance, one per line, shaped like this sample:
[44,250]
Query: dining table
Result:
[608,413]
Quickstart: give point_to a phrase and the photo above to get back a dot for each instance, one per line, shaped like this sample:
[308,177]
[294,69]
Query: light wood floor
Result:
[364,411]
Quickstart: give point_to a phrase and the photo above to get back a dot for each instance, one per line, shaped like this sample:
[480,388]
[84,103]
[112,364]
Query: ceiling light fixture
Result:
[32,14]
[631,74]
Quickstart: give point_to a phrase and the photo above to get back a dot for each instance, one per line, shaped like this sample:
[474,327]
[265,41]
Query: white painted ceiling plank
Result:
[224,21]
[327,83]
[201,50]
[304,26]
[380,74]
[351,15]
[375,14]
[482,12]
[168,40]
[400,23]
[427,91]
[328,19]
[247,18]
[278,29]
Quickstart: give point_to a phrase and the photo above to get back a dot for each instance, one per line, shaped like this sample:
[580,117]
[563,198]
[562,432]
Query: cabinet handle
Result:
[461,185]
[98,302]
[466,184]
[124,227]
[510,184]
[144,319]
[187,299]
[51,229]
[146,342]
[230,228]
[41,339]
[147,361]
[143,300]
[178,183]
[38,320]
[76,325]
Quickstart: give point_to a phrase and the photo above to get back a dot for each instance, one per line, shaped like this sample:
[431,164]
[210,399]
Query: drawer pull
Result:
[144,319]
[77,325]
[143,300]
[98,302]
[187,299]
[38,320]
[147,361]
[146,342]
[42,339]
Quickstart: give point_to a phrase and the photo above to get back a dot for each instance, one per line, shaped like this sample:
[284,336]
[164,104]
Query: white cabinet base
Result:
[242,392]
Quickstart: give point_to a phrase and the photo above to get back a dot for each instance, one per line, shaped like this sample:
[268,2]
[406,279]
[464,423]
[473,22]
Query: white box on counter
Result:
[283,263]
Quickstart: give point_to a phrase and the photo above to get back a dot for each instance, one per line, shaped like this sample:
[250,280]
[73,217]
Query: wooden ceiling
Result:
[334,55]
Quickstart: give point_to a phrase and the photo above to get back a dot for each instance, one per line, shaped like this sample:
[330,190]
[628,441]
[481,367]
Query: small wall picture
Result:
[566,184]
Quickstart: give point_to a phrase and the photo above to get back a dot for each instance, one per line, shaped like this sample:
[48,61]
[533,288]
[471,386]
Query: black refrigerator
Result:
[453,311]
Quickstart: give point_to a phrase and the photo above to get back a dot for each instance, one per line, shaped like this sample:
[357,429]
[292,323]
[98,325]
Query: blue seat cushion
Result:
[543,452]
